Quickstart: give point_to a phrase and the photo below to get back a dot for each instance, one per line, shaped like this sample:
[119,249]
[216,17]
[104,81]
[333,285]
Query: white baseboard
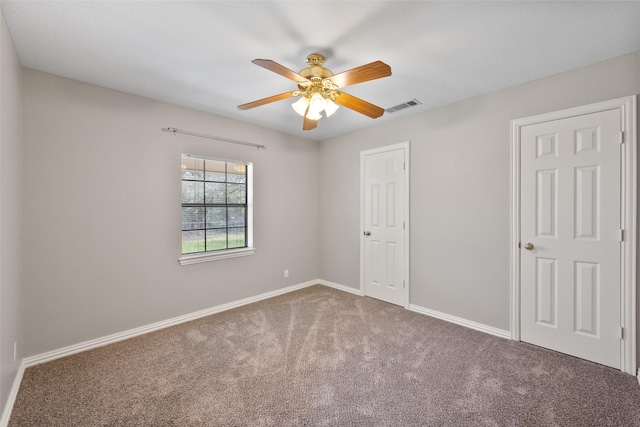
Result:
[341,287]
[460,321]
[442,316]
[121,336]
[13,393]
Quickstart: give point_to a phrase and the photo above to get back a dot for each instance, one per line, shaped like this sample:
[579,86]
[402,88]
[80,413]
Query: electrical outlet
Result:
[286,274]
[15,351]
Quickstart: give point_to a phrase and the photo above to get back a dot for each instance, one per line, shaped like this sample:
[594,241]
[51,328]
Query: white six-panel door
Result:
[384,211]
[570,218]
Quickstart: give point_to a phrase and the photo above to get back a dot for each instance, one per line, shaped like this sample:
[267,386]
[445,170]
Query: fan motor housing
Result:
[315,68]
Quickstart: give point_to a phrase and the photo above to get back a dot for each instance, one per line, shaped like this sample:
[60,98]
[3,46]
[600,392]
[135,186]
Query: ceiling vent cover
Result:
[404,105]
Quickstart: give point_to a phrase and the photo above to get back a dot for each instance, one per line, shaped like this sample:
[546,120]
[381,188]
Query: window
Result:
[216,209]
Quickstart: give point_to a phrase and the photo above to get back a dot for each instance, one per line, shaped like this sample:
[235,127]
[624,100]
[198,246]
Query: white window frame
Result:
[199,257]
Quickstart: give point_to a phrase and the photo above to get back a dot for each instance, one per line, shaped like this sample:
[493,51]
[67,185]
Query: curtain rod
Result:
[217,138]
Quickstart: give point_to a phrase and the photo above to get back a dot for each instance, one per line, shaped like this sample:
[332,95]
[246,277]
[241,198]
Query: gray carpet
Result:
[318,357]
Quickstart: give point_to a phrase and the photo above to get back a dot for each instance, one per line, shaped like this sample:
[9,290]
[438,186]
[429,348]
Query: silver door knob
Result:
[528,246]
[367,233]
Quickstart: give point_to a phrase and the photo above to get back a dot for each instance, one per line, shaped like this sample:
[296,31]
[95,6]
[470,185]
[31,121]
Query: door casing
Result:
[629,215]
[363,154]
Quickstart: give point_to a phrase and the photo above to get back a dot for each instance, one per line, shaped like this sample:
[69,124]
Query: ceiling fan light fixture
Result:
[330,107]
[300,106]
[316,105]
[314,116]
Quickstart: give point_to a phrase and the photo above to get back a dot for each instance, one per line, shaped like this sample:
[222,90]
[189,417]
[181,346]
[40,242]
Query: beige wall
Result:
[11,87]
[460,203]
[102,208]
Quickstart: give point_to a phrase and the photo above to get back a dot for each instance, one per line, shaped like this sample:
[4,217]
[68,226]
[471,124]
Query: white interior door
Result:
[384,250]
[570,219]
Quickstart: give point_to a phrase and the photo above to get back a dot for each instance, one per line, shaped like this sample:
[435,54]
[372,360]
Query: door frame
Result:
[407,195]
[628,200]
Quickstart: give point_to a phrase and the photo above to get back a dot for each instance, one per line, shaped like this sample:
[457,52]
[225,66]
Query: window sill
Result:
[214,256]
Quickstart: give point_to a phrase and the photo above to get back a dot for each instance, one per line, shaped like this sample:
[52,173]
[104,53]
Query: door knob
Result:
[528,246]
[367,233]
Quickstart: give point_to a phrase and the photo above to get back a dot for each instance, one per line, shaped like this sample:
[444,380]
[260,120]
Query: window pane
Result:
[214,204]
[216,239]
[236,238]
[216,217]
[192,168]
[236,217]
[214,192]
[192,241]
[192,192]
[214,170]
[236,193]
[192,218]
[237,172]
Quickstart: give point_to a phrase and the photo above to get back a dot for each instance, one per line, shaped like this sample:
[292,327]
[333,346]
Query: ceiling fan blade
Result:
[268,100]
[364,73]
[308,124]
[279,69]
[359,105]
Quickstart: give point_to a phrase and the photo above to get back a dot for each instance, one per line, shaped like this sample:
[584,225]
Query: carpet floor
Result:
[322,357]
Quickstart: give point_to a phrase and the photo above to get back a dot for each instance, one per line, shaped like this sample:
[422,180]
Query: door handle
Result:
[528,246]
[367,233]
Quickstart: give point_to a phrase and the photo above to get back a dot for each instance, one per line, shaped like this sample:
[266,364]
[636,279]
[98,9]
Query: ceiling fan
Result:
[319,89]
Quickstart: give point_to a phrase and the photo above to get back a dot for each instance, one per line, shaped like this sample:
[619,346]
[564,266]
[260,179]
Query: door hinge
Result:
[404,285]
[621,137]
[621,235]
[403,225]
[621,333]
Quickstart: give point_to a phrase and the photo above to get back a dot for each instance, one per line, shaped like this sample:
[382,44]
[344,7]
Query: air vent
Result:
[404,105]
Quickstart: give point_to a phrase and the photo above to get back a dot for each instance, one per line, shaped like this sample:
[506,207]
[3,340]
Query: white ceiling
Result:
[198,54]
